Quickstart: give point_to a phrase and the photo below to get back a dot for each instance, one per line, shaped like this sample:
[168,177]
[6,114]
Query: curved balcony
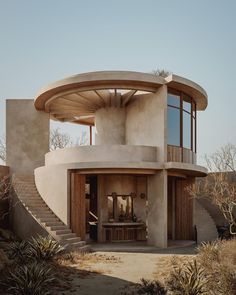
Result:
[106,153]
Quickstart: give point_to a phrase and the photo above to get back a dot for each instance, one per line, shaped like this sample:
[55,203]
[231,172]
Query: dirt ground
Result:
[114,272]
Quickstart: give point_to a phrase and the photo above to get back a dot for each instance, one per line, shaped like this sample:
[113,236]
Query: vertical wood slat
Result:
[183,211]
[77,205]
[178,154]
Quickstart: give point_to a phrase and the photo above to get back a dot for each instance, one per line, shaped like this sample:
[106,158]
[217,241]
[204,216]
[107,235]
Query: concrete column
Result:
[157,209]
[27,136]
[110,126]
[102,207]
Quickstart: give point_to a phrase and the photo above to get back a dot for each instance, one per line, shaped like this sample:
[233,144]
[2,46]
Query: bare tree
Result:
[5,186]
[60,140]
[3,149]
[161,72]
[220,185]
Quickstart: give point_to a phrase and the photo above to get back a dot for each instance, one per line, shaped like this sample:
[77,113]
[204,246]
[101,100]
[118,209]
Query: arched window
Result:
[181,120]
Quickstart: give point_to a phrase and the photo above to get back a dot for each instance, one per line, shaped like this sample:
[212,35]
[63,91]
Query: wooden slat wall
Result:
[77,205]
[183,211]
[178,154]
[170,207]
[174,154]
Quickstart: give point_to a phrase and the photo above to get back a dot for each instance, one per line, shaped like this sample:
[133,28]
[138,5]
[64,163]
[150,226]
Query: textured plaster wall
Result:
[52,185]
[140,207]
[27,136]
[105,153]
[22,222]
[146,122]
[110,126]
[157,209]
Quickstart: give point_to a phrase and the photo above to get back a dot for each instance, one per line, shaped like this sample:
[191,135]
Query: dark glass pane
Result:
[187,106]
[186,130]
[173,126]
[173,100]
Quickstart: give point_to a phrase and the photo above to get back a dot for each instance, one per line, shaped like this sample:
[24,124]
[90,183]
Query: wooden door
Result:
[77,205]
[183,210]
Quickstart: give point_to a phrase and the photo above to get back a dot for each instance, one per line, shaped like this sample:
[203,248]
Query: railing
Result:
[178,154]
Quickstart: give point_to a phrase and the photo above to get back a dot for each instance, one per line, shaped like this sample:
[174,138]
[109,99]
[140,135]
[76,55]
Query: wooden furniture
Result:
[124,231]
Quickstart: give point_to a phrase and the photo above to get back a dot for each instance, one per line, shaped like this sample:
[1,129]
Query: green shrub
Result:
[43,248]
[151,288]
[187,279]
[31,279]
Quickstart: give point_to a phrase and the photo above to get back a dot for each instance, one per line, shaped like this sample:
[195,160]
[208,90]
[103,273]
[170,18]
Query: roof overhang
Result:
[76,98]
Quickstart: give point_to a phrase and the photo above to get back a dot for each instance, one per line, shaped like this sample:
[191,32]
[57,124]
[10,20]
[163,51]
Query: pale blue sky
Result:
[43,41]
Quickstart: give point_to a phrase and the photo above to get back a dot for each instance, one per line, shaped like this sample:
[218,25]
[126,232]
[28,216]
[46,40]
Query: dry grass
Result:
[75,258]
[165,265]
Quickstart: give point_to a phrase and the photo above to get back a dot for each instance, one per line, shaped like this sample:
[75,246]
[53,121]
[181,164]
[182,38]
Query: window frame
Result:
[193,114]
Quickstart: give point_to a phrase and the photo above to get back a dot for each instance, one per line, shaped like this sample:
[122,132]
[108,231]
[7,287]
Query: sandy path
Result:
[114,276]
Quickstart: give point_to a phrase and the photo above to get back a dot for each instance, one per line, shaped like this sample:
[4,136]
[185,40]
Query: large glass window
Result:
[186,130]
[173,126]
[181,120]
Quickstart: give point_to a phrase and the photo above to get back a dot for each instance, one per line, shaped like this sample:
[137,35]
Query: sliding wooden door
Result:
[77,205]
[183,210]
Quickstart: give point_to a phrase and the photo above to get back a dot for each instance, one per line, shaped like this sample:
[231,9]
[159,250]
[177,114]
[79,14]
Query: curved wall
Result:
[113,153]
[110,126]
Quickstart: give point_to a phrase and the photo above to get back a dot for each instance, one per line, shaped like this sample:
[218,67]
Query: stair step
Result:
[66,236]
[70,241]
[47,219]
[41,210]
[53,223]
[58,227]
[45,215]
[62,231]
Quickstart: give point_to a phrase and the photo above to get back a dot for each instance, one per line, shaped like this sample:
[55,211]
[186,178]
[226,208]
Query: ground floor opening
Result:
[115,208]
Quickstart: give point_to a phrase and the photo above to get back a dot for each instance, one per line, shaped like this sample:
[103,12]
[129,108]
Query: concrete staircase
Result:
[213,210]
[206,227]
[26,192]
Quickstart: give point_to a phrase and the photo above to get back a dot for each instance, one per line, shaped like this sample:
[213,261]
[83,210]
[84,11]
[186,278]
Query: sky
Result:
[47,40]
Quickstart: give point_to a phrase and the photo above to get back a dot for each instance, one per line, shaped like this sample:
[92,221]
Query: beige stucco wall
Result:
[27,136]
[110,126]
[146,121]
[157,209]
[140,205]
[96,153]
[52,185]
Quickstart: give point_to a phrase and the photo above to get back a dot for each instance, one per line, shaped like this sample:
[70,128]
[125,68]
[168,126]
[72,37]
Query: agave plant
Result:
[43,248]
[189,279]
[18,250]
[151,288]
[30,279]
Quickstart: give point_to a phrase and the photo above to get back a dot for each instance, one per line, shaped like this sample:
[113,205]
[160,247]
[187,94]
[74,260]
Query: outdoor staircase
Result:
[26,192]
[213,210]
[206,227]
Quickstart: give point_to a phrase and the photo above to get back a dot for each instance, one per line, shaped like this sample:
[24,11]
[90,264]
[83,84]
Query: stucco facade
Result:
[127,185]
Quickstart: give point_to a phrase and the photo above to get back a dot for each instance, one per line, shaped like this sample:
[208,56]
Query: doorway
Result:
[83,205]
[180,209]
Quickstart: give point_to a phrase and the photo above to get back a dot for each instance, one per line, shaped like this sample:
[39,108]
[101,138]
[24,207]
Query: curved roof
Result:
[76,98]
